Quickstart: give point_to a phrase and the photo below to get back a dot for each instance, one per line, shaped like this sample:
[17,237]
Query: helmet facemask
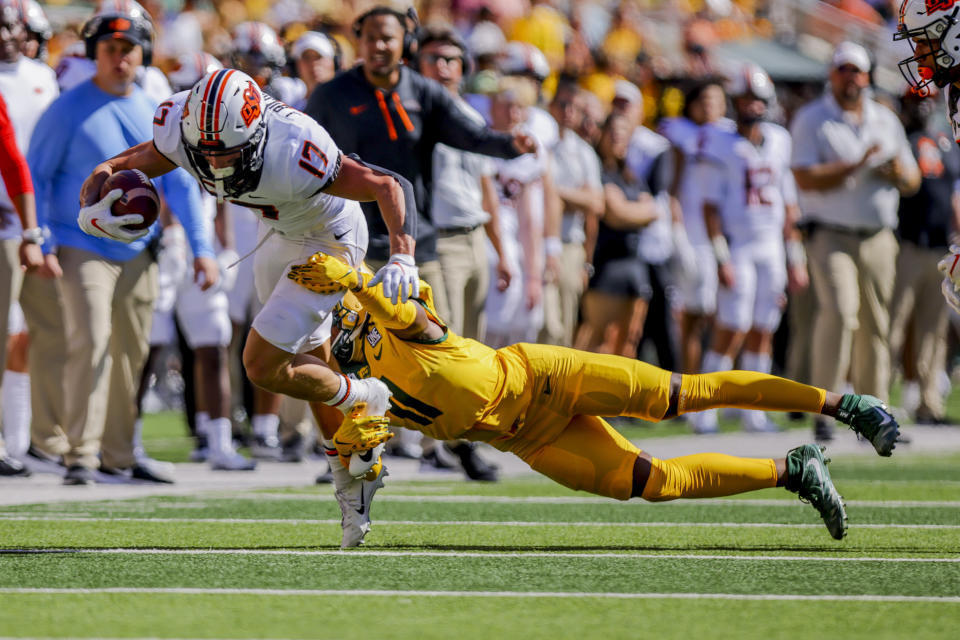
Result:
[938,66]
[238,177]
[351,319]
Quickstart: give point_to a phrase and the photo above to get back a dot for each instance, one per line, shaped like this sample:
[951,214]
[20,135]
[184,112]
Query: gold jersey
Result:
[442,387]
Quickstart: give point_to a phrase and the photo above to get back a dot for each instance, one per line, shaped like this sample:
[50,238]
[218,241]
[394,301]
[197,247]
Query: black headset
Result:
[406,20]
[106,23]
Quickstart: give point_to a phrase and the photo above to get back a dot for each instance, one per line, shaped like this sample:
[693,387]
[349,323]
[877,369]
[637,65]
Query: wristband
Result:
[34,235]
[720,249]
[552,246]
[796,256]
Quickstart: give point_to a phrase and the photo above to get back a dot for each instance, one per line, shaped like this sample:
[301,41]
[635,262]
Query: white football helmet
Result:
[938,23]
[224,132]
[190,68]
[257,49]
[751,79]
[521,58]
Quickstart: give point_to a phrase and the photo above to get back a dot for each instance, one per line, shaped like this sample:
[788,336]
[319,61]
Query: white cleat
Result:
[354,500]
[230,461]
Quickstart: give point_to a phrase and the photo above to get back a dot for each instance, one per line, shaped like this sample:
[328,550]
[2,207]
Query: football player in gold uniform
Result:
[543,403]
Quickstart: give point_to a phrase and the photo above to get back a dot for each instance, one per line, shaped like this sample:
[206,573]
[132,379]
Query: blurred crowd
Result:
[684,206]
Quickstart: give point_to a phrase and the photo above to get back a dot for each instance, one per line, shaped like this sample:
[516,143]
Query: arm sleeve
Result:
[13,166]
[45,155]
[409,203]
[451,126]
[183,197]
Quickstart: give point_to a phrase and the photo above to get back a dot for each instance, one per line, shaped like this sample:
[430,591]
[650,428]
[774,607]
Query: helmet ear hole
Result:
[225,115]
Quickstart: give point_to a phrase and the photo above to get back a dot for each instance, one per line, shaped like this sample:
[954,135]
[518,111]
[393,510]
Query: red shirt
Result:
[13,166]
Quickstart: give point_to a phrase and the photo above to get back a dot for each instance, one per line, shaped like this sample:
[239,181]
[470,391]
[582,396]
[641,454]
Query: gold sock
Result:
[707,475]
[747,390]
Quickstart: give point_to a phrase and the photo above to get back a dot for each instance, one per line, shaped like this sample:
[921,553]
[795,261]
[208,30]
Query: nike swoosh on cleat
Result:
[341,235]
[816,468]
[363,505]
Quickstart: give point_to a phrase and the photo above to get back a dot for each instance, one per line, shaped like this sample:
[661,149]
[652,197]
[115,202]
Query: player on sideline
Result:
[252,150]
[933,31]
[542,403]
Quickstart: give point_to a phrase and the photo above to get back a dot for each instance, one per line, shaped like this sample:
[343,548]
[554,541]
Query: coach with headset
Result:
[393,117]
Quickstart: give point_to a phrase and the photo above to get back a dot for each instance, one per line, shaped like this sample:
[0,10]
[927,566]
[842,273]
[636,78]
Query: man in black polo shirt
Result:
[391,116]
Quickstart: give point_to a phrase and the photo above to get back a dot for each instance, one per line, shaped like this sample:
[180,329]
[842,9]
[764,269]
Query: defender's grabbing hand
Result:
[327,275]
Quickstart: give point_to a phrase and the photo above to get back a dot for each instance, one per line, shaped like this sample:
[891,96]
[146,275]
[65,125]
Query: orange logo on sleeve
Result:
[251,104]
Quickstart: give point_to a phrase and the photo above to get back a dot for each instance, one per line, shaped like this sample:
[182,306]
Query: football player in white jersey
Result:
[704,111]
[246,147]
[515,314]
[749,208]
[932,29]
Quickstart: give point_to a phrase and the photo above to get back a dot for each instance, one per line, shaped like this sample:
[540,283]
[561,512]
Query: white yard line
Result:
[494,594]
[473,554]
[461,523]
[892,504]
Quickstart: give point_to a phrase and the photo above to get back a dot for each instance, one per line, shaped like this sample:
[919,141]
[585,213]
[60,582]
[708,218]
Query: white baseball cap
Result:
[851,53]
[315,41]
[625,90]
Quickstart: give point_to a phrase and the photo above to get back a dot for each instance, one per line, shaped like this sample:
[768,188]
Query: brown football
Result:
[139,196]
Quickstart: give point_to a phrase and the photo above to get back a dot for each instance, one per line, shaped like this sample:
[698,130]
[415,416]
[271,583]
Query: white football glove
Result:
[400,278]
[949,264]
[96,220]
[950,294]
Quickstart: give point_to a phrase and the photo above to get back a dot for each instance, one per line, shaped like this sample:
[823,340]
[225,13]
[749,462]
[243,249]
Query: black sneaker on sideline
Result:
[11,467]
[77,475]
[822,430]
[474,466]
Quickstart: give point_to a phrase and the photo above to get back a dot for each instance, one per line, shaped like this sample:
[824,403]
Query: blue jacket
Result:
[81,129]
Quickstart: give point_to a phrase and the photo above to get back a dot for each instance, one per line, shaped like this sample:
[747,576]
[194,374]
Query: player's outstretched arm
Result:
[143,156]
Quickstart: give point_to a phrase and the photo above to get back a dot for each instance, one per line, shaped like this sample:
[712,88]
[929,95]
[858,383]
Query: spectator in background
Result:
[852,161]
[19,189]
[464,209]
[108,286]
[704,107]
[750,201]
[515,314]
[464,197]
[256,50]
[393,117]
[927,219]
[576,172]
[615,304]
[648,157]
[317,59]
[28,87]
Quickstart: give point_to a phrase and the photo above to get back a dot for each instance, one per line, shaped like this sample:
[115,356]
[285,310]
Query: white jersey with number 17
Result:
[300,159]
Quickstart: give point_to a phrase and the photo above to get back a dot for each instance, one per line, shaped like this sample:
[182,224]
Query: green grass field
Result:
[523,558]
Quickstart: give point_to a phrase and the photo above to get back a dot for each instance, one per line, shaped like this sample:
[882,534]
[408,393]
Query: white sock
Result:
[753,361]
[714,361]
[16,412]
[265,425]
[201,421]
[220,435]
[761,363]
[351,392]
[341,476]
[139,453]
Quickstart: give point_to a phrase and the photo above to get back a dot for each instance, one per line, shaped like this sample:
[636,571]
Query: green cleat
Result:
[868,417]
[807,476]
